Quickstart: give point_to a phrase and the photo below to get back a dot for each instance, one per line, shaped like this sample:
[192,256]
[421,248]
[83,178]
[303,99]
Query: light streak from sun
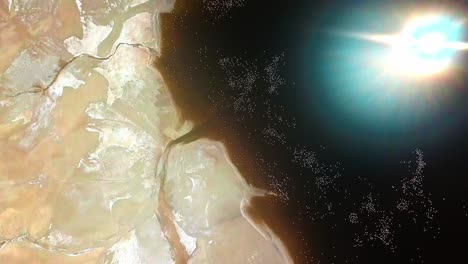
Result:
[397,39]
[425,46]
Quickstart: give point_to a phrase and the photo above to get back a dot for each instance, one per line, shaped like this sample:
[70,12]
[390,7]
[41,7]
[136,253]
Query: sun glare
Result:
[423,47]
[427,45]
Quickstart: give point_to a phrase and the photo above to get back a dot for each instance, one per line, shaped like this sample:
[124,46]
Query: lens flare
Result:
[427,45]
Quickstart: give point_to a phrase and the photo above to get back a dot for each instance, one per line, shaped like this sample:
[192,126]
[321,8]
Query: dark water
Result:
[372,187]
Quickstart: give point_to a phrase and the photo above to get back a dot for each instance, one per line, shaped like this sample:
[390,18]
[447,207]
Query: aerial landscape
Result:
[233,131]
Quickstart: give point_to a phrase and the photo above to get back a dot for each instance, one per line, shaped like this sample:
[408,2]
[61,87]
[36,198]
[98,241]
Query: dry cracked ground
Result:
[96,165]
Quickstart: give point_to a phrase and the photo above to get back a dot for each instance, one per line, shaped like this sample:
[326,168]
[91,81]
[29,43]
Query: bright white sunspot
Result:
[427,45]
